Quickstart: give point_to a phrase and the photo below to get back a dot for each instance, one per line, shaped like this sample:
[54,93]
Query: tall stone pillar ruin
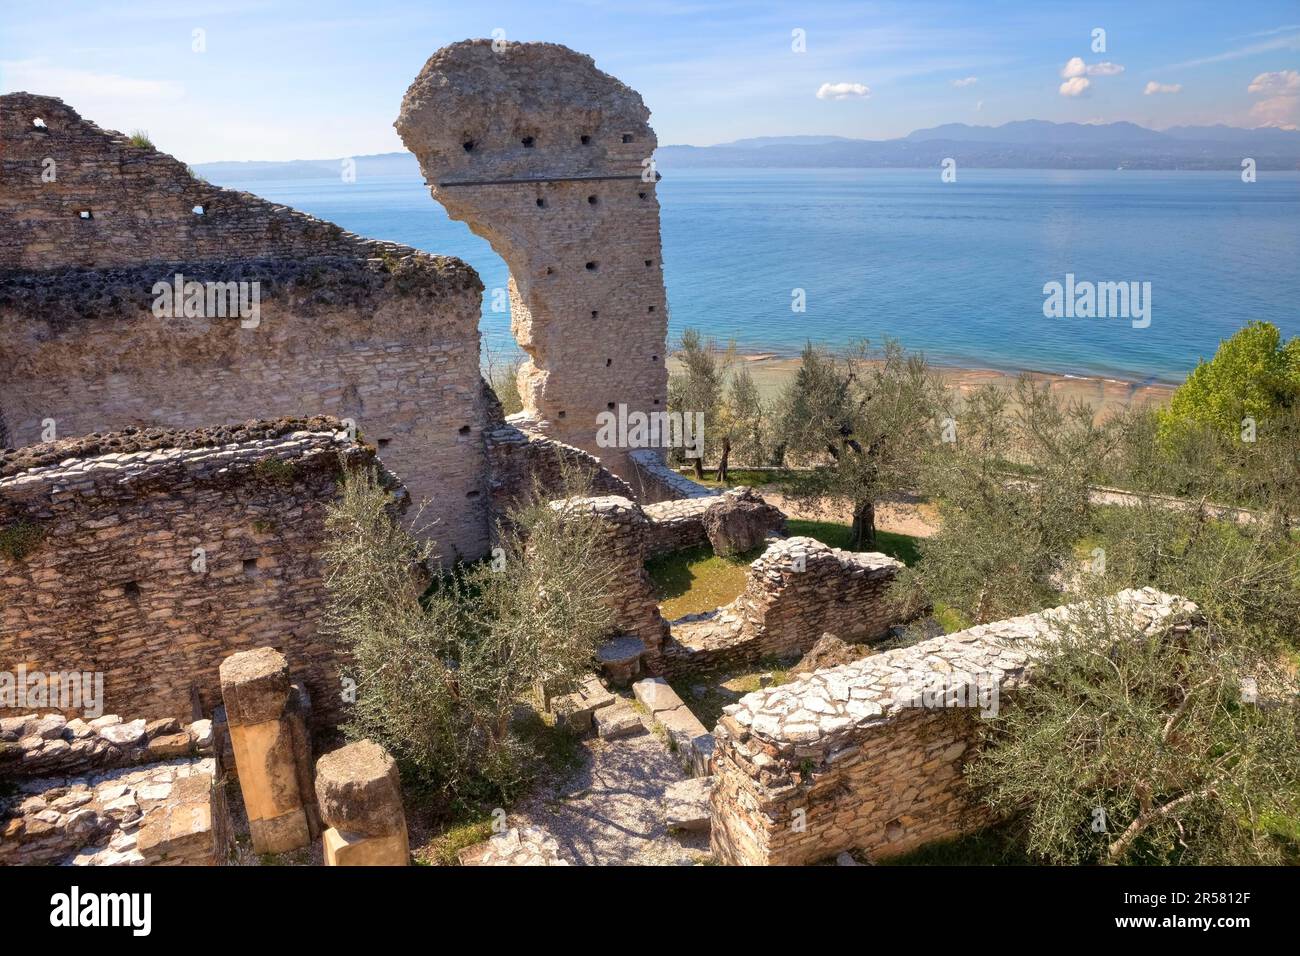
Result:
[549,159]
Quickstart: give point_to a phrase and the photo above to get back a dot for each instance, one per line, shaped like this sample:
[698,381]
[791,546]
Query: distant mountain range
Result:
[1024,144]
[376,165]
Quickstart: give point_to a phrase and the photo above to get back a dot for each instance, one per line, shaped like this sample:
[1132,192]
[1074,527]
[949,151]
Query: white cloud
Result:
[968,81]
[1281,106]
[1282,83]
[841,91]
[1074,66]
[1075,86]
[1105,69]
[1154,87]
[979,107]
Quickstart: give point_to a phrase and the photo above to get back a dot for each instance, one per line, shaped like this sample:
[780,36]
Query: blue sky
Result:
[284,79]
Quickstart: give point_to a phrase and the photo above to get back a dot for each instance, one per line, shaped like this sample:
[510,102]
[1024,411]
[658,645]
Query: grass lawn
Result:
[696,580]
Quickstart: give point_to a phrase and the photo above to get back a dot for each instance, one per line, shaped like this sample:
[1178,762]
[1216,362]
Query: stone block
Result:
[254,686]
[359,791]
[617,721]
[356,849]
[686,804]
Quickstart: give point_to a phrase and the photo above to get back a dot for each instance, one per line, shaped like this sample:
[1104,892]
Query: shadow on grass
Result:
[994,846]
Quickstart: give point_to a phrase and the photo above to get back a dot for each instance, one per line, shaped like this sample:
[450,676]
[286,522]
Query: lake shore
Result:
[771,371]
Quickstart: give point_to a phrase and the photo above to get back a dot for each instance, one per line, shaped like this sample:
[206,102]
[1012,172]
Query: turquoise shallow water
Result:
[956,270]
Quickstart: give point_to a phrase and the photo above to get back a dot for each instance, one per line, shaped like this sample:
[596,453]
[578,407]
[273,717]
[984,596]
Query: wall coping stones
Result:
[654,472]
[821,713]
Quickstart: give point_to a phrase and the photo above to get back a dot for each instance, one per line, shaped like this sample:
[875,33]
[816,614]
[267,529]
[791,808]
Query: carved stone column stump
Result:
[255,690]
[360,799]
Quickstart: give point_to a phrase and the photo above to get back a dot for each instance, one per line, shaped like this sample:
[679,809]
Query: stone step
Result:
[575,711]
[687,737]
[618,720]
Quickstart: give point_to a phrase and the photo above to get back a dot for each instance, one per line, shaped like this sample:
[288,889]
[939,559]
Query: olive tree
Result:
[861,421]
[1175,747]
[440,663]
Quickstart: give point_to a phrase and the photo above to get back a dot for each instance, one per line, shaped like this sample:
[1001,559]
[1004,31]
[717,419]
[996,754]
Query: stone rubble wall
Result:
[522,461]
[784,610]
[391,345]
[107,581]
[621,549]
[544,156]
[655,481]
[846,758]
[141,202]
[50,745]
[170,814]
[677,524]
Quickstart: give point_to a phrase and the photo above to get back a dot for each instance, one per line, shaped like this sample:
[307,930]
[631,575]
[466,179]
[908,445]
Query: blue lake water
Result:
[953,269]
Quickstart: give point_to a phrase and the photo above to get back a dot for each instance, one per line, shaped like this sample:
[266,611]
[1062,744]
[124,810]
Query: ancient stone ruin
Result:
[868,755]
[98,339]
[186,373]
[148,556]
[550,160]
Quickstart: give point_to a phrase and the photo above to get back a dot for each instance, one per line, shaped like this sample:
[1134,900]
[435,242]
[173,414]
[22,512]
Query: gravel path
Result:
[610,811]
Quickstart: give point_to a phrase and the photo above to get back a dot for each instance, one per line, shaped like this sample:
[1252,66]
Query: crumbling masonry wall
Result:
[851,757]
[370,331]
[99,570]
[797,590]
[544,156]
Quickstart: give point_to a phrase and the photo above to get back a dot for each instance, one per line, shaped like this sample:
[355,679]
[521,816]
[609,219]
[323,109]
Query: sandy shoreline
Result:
[771,371]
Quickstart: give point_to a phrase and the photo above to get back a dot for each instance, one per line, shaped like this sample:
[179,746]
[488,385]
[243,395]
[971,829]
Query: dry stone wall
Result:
[545,157]
[630,595]
[655,481]
[869,755]
[101,575]
[75,195]
[522,462]
[370,331]
[162,814]
[796,590]
[36,745]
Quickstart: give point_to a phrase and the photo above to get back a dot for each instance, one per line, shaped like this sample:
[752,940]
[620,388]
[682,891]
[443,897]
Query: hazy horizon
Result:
[249,81]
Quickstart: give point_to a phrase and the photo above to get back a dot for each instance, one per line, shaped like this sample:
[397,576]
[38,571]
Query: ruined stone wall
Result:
[621,550]
[677,524]
[542,155]
[98,570]
[371,331]
[869,755]
[75,195]
[655,481]
[50,745]
[161,814]
[394,348]
[522,462]
[797,590]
